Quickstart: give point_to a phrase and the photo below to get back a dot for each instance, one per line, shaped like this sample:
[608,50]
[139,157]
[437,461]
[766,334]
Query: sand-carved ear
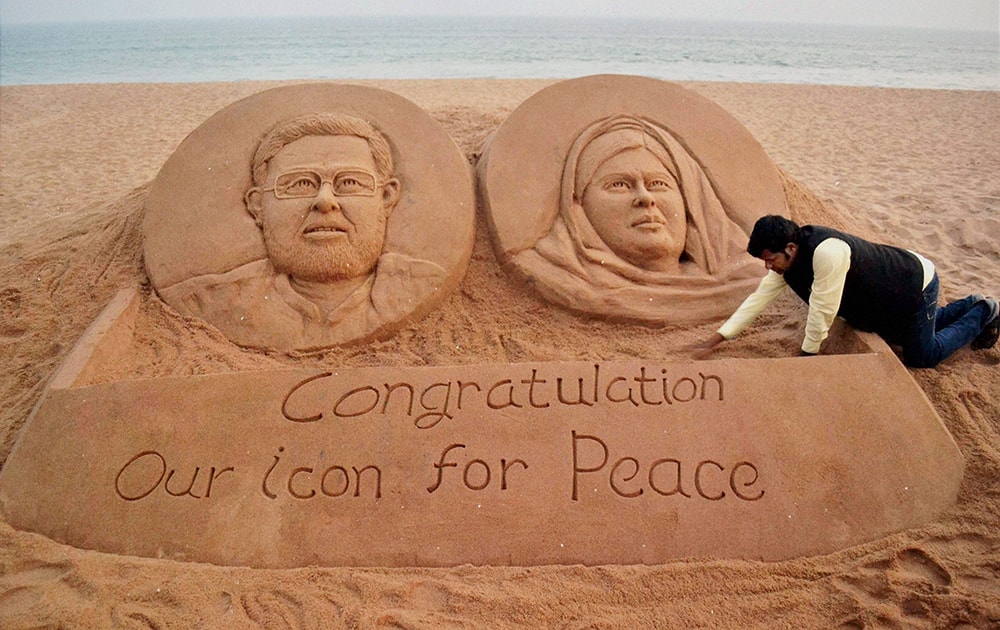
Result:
[390,195]
[252,201]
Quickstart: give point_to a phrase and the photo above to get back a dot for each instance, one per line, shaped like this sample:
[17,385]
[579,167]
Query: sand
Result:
[915,168]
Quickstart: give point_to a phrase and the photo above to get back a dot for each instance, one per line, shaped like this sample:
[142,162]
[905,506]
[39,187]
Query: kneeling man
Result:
[876,288]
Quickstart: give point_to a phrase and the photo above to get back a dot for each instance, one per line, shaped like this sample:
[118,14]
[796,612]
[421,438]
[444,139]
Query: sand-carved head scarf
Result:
[580,270]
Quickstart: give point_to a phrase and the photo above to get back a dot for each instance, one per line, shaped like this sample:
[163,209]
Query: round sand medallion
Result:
[311,216]
[629,198]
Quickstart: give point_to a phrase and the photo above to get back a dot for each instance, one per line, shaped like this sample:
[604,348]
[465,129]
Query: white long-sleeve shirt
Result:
[831,262]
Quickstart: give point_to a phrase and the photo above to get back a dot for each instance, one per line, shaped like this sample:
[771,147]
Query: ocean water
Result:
[451,47]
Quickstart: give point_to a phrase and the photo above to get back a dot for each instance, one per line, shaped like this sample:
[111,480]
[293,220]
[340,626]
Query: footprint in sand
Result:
[915,564]
[281,609]
[274,609]
[135,617]
[27,593]
[895,592]
[427,604]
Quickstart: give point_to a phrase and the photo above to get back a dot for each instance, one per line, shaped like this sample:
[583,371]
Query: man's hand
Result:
[703,349]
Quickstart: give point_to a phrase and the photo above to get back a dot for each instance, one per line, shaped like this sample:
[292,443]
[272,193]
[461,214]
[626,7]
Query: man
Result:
[876,288]
[323,190]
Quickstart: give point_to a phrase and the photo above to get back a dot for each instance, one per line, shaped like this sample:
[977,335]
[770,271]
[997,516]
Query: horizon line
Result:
[688,20]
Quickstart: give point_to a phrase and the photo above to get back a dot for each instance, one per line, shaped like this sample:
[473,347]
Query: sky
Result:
[947,14]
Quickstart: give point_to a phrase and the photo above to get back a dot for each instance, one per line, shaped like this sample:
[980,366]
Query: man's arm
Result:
[831,262]
[767,290]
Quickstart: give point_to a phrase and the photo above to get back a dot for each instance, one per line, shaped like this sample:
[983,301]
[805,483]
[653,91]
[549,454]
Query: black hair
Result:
[772,232]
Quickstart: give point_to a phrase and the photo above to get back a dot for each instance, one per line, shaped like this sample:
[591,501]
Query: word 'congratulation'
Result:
[320,395]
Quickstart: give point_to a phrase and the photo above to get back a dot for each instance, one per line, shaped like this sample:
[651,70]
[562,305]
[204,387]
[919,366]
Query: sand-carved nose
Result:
[643,198]
[325,200]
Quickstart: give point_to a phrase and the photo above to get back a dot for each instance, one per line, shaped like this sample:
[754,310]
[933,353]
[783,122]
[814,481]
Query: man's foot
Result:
[988,337]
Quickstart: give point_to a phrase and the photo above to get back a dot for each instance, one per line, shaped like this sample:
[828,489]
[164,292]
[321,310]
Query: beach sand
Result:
[916,168]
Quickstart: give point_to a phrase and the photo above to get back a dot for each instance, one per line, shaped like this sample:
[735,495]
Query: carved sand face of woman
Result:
[636,207]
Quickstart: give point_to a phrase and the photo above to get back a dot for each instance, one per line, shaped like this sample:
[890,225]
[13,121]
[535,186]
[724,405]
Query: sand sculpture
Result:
[341,210]
[259,459]
[646,217]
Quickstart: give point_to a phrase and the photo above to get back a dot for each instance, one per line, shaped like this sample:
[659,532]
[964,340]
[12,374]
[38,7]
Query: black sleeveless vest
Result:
[883,285]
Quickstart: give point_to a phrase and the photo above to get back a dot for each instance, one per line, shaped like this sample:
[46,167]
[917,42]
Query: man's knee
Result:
[921,361]
[917,357]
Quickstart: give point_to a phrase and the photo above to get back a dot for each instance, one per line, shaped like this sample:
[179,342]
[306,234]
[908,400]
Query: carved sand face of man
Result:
[322,197]
[633,200]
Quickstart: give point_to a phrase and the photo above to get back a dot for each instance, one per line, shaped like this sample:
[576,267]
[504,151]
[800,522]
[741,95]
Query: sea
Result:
[329,48]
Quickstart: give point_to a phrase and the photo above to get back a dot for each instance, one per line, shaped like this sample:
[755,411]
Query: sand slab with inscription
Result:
[66,255]
[641,461]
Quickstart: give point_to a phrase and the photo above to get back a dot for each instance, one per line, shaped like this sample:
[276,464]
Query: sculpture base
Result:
[613,462]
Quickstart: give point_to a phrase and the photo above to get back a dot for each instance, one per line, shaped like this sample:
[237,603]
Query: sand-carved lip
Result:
[324,231]
[648,222]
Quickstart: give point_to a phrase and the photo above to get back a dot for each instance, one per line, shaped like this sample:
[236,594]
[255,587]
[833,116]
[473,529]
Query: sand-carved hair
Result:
[613,137]
[322,124]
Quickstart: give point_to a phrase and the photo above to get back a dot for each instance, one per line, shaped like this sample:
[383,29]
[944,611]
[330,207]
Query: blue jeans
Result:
[932,335]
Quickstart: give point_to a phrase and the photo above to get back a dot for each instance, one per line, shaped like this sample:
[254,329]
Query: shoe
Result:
[988,337]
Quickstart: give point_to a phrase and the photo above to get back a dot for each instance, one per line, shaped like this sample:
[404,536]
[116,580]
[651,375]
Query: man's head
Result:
[774,240]
[323,191]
